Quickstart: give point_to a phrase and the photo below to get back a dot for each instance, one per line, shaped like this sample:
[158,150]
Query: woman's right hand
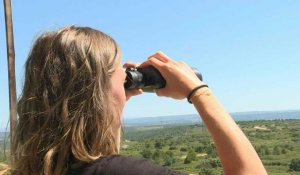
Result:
[236,152]
[180,78]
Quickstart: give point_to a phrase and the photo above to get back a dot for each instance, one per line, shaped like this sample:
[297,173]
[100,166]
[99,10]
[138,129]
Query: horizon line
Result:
[262,111]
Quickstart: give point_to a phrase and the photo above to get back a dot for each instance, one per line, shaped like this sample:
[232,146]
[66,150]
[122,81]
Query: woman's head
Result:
[70,107]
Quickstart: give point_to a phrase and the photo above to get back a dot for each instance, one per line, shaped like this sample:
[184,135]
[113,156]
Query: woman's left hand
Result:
[132,92]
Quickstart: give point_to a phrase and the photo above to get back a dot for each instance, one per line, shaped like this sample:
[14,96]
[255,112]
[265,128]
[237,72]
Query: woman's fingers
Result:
[131,64]
[145,63]
[180,78]
[158,64]
[154,62]
[160,92]
[160,56]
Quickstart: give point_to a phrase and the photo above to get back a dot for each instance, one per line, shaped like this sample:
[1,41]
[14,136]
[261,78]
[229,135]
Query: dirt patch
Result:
[262,128]
[183,157]
[201,155]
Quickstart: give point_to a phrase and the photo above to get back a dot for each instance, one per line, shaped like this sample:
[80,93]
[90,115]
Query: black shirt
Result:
[120,165]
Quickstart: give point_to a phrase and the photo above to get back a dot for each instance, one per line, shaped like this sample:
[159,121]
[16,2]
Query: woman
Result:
[72,101]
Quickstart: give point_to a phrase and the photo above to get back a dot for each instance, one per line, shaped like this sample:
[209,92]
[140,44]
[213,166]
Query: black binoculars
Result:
[147,78]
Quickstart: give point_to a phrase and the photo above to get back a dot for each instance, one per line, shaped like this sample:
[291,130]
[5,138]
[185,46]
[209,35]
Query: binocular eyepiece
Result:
[147,78]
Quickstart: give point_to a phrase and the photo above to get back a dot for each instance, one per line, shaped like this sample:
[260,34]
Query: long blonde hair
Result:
[65,110]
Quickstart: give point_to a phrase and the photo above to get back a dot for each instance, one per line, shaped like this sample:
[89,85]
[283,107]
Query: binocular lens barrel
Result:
[148,78]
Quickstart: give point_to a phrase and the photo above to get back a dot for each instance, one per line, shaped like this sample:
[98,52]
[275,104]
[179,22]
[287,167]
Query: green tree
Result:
[261,151]
[146,153]
[211,150]
[215,163]
[168,158]
[199,149]
[267,151]
[295,165]
[172,147]
[210,163]
[158,144]
[157,156]
[191,156]
[276,150]
[147,144]
[206,171]
[183,149]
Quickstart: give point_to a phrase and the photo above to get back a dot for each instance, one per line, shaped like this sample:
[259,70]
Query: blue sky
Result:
[247,51]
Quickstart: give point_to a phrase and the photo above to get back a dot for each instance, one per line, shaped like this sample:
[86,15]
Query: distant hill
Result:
[194,118]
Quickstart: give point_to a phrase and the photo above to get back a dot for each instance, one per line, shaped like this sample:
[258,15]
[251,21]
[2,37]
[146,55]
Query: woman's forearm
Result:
[235,150]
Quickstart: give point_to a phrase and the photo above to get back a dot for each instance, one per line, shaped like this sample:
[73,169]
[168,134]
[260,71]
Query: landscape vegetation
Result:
[189,147]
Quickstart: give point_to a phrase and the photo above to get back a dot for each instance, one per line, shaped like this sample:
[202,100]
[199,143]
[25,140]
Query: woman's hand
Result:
[133,92]
[180,78]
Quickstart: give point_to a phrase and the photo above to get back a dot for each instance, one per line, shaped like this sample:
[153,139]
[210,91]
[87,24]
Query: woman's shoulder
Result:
[120,165]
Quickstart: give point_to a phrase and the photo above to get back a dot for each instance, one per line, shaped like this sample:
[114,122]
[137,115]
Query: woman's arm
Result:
[236,152]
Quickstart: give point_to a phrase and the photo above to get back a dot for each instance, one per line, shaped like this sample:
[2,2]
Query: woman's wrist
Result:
[193,92]
[203,91]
